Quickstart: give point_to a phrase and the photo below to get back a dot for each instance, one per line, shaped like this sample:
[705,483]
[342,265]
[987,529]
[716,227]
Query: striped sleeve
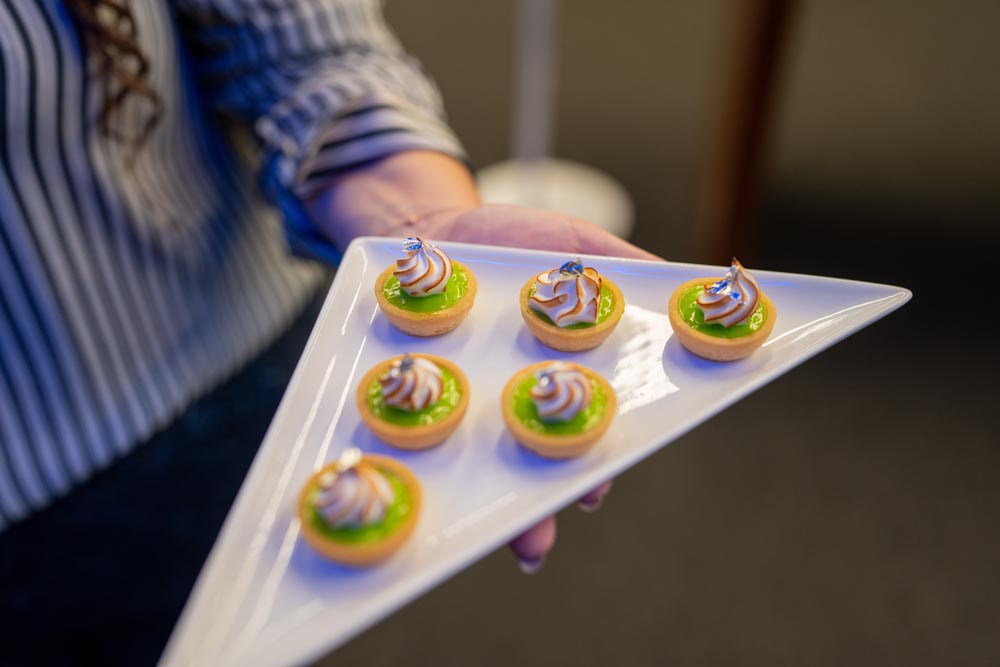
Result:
[325,84]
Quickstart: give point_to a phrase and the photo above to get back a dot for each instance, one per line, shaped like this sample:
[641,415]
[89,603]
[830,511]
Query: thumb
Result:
[597,241]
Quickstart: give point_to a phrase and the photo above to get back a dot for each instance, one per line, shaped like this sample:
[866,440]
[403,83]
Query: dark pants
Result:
[101,576]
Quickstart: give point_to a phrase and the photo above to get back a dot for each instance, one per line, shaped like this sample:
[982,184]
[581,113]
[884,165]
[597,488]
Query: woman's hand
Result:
[421,193]
[518,227]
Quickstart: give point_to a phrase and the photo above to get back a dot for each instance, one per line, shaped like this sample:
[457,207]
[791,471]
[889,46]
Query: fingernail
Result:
[590,508]
[531,566]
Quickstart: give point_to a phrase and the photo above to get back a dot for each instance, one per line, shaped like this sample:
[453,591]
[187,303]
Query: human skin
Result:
[429,194]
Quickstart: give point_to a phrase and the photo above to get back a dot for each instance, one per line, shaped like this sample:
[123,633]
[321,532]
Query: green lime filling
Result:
[691,313]
[451,393]
[603,310]
[454,291]
[526,412]
[394,517]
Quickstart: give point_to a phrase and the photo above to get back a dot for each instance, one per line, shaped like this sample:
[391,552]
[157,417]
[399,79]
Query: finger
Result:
[616,247]
[592,501]
[601,242]
[533,545]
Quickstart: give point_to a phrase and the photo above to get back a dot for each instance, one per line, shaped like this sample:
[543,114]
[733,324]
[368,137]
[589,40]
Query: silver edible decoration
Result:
[348,459]
[723,286]
[404,366]
[572,268]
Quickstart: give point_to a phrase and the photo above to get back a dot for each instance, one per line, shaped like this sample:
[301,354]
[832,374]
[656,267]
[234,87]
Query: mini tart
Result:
[421,436]
[364,553]
[713,347]
[556,446]
[426,324]
[572,340]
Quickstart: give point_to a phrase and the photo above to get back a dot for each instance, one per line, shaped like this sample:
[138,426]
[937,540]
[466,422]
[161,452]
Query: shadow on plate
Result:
[307,563]
[443,344]
[602,356]
[434,458]
[678,362]
[516,456]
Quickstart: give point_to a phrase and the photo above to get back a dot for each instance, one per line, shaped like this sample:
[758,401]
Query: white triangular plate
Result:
[265,598]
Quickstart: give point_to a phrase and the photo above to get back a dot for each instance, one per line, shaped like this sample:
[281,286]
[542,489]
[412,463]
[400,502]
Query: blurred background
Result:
[863,529]
[885,116]
[852,139]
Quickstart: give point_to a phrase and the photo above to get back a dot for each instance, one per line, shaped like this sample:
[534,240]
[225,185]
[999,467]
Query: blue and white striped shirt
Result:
[127,290]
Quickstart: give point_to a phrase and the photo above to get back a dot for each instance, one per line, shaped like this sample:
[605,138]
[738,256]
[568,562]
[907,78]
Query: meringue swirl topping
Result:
[412,383]
[731,300]
[561,393]
[353,494]
[425,270]
[568,295]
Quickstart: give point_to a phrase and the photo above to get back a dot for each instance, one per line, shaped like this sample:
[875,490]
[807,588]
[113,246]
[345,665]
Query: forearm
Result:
[380,198]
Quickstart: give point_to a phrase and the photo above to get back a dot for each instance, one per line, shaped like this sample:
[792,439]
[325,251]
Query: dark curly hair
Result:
[108,32]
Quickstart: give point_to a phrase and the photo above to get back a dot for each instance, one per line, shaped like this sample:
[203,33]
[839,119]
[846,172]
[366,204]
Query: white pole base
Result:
[563,186]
